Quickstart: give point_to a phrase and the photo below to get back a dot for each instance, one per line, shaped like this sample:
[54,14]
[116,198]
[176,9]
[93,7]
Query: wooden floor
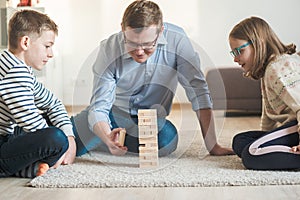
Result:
[16,189]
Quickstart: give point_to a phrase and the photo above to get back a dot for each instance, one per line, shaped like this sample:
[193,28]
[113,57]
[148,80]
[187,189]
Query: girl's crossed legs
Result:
[269,150]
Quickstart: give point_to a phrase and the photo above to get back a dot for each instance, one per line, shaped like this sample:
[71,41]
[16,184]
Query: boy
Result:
[35,131]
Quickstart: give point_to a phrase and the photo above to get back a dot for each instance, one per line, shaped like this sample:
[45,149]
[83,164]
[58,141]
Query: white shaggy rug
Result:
[189,166]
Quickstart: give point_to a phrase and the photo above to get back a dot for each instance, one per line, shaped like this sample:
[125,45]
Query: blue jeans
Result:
[86,140]
[22,149]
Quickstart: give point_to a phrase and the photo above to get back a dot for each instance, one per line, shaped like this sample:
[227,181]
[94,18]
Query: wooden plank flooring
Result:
[16,189]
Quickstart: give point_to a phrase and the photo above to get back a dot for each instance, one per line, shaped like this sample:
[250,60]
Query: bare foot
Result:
[221,151]
[42,169]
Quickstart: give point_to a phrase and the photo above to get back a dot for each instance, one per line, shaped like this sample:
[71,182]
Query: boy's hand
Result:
[71,152]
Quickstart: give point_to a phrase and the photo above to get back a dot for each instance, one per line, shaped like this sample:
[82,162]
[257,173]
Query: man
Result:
[140,68]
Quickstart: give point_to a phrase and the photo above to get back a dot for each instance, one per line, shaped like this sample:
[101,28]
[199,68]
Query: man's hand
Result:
[221,151]
[71,152]
[114,146]
[110,138]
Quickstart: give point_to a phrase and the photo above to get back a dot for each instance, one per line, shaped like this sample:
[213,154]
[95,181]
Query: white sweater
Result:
[281,92]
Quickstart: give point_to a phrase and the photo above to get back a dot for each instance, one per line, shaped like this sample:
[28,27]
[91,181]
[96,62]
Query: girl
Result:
[258,50]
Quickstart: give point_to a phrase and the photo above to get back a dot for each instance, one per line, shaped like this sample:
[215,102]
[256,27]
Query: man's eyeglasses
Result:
[145,46]
[237,51]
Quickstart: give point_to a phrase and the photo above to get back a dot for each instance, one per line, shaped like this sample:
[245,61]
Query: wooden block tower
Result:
[148,149]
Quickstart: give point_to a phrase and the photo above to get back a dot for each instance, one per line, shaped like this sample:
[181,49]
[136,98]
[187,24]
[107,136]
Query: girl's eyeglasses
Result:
[237,51]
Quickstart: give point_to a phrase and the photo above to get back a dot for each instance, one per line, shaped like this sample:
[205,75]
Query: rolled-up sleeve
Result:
[191,77]
[103,93]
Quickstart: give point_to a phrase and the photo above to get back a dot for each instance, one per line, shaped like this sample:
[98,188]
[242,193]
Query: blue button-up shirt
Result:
[122,82]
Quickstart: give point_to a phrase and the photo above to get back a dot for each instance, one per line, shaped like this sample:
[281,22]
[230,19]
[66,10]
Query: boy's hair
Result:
[265,42]
[28,22]
[141,14]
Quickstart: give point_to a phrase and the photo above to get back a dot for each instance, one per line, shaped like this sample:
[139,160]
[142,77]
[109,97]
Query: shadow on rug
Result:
[189,166]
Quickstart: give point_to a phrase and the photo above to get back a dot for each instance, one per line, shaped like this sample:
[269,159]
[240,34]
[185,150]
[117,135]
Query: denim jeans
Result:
[86,140]
[22,149]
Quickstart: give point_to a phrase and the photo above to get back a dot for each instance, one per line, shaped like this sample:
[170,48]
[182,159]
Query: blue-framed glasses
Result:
[237,51]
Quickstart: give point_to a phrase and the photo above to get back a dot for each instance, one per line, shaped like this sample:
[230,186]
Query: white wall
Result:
[83,25]
[218,18]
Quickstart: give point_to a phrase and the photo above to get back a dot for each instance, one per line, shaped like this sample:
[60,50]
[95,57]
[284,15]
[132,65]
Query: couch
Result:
[232,92]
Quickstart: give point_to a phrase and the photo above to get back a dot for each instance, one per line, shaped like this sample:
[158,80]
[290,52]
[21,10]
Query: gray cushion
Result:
[230,90]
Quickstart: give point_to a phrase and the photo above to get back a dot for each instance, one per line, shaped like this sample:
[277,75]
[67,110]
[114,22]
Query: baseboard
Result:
[75,109]
[78,108]
[178,106]
[241,113]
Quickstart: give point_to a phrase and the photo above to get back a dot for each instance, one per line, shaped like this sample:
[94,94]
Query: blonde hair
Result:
[141,14]
[28,22]
[265,42]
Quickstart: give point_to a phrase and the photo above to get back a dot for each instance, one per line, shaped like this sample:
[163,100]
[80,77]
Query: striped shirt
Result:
[23,100]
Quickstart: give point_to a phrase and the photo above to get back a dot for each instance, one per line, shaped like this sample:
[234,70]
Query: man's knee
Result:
[167,139]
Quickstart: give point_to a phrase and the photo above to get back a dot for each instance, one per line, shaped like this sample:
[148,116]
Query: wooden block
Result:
[148,127]
[148,140]
[147,121]
[148,156]
[147,112]
[121,138]
[147,134]
[144,161]
[145,150]
[148,130]
[147,164]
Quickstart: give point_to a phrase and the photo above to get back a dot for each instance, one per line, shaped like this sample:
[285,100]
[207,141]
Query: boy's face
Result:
[40,50]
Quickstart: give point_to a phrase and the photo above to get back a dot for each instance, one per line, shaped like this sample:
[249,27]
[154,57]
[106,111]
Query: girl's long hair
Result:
[265,42]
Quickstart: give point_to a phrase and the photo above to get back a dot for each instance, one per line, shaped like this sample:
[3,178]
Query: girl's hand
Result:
[296,149]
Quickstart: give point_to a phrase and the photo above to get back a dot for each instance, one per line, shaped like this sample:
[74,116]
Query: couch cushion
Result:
[230,90]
